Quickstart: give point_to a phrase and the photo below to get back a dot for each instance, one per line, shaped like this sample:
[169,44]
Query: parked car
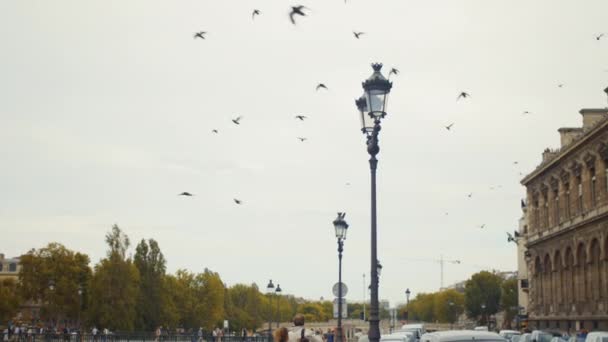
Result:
[417,329]
[558,339]
[597,336]
[544,336]
[462,336]
[509,334]
[516,338]
[527,337]
[411,336]
[398,337]
[481,328]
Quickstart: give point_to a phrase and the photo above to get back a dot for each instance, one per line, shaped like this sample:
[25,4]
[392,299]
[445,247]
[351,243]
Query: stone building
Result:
[9,268]
[567,229]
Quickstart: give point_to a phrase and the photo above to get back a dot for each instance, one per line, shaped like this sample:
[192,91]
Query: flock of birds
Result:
[300,11]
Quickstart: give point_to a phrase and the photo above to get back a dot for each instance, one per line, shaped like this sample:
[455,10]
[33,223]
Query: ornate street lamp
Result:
[376,90]
[341,228]
[407,303]
[269,291]
[278,292]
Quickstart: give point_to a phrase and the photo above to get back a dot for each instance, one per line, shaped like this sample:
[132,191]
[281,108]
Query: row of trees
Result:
[126,293]
[485,294]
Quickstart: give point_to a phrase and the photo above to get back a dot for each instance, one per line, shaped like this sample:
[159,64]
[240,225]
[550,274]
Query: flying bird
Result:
[470,195]
[301,117]
[214,131]
[482,226]
[511,238]
[358,34]
[296,10]
[200,35]
[321,85]
[302,139]
[448,127]
[185,193]
[237,121]
[526,112]
[599,37]
[515,162]
[347,183]
[238,201]
[464,95]
[561,85]
[394,71]
[254,13]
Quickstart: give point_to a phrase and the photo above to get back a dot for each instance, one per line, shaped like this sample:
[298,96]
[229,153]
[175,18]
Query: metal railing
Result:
[133,337]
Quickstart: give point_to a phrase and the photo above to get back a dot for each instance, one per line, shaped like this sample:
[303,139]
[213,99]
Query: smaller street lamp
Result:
[52,285]
[407,303]
[80,292]
[450,313]
[270,290]
[379,267]
[341,228]
[278,292]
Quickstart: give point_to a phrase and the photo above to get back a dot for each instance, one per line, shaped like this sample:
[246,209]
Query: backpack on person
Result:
[302,337]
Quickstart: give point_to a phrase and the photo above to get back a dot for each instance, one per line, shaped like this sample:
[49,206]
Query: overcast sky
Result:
[107,109]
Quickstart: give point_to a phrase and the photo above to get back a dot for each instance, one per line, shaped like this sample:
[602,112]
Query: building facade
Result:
[9,268]
[567,229]
[522,266]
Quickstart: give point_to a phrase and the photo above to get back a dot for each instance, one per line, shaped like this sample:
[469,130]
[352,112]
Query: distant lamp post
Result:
[372,108]
[270,290]
[483,314]
[451,314]
[341,228]
[80,292]
[407,303]
[278,292]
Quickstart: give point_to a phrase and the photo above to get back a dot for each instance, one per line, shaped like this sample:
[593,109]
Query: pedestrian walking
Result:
[281,335]
[200,334]
[157,334]
[299,333]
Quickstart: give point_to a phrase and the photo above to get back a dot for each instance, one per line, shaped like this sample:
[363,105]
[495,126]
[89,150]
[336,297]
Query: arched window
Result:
[12,267]
[595,270]
[548,282]
[592,185]
[569,277]
[559,277]
[567,200]
[579,201]
[581,272]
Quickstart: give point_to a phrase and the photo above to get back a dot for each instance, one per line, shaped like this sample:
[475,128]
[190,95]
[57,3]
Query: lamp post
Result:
[450,314]
[483,313]
[269,291]
[80,291]
[278,292]
[52,290]
[341,228]
[407,304]
[372,108]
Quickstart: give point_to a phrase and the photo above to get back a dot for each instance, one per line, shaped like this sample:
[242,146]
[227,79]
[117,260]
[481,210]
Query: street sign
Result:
[225,324]
[344,308]
[336,289]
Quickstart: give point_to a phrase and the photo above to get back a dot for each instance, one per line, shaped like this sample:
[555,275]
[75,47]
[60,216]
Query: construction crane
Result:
[441,261]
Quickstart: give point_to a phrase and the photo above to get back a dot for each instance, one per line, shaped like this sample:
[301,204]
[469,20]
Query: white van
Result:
[462,336]
[418,329]
[597,336]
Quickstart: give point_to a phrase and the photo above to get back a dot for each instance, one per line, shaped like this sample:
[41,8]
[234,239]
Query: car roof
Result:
[461,335]
[416,325]
[509,331]
[597,333]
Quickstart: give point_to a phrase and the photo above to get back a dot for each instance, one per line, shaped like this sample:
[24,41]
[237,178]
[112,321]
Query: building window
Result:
[1,267]
[579,182]
[524,283]
[567,200]
[536,215]
[593,183]
[12,267]
[546,213]
[556,209]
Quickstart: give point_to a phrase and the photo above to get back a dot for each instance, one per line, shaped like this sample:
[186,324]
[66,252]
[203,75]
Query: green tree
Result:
[65,270]
[508,300]
[449,304]
[151,301]
[209,295]
[483,289]
[9,300]
[422,308]
[114,286]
